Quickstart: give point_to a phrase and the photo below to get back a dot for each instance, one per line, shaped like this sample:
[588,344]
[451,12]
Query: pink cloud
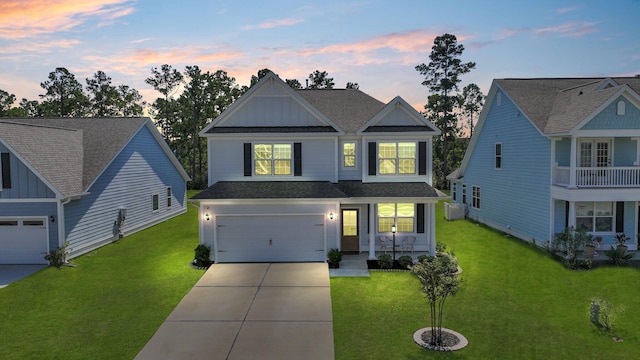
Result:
[565,10]
[269,24]
[570,29]
[38,46]
[27,18]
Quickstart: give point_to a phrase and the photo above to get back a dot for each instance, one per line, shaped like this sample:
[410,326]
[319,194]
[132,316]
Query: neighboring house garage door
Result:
[23,241]
[270,238]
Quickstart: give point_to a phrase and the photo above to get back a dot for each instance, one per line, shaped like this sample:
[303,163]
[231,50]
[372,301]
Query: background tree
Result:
[294,84]
[166,81]
[320,80]
[261,73]
[471,102]
[442,76]
[64,96]
[6,105]
[30,108]
[103,96]
[351,85]
[129,102]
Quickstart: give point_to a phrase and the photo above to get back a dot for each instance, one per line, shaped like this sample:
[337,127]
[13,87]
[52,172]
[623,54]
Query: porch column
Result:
[571,221]
[372,232]
[572,162]
[432,229]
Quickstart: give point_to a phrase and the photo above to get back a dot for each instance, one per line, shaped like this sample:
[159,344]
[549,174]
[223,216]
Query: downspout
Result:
[61,227]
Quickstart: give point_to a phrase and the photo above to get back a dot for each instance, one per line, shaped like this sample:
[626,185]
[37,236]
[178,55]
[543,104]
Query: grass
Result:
[107,307]
[515,302]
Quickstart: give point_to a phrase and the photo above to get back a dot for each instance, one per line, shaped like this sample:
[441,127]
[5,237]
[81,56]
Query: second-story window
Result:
[498,164]
[397,158]
[349,154]
[272,159]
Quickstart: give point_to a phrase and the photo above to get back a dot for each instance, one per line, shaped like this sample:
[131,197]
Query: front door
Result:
[350,241]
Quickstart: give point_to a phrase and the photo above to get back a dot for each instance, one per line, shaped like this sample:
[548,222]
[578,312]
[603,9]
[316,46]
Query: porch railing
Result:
[598,176]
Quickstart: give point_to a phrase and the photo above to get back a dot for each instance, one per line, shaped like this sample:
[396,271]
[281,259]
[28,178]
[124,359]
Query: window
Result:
[621,108]
[397,158]
[454,192]
[464,193]
[5,171]
[401,214]
[272,159]
[475,197]
[169,196]
[154,202]
[594,216]
[498,156]
[349,154]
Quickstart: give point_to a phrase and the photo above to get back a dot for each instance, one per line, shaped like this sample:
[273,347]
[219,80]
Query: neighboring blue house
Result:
[552,153]
[86,181]
[293,173]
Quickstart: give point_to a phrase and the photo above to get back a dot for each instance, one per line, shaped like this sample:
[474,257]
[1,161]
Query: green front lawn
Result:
[109,305]
[515,303]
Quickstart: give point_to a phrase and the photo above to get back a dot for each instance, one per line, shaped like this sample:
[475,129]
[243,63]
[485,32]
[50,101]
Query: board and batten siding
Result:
[608,119]
[139,171]
[226,159]
[25,184]
[515,197]
[34,209]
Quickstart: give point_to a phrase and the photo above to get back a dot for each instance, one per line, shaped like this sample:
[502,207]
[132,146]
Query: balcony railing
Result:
[598,176]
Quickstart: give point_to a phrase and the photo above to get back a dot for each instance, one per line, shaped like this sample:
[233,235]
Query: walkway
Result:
[250,311]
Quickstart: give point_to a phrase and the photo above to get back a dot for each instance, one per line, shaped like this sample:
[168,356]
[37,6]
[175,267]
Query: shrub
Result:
[421,258]
[202,257]
[603,314]
[334,256]
[385,261]
[405,260]
[441,247]
[58,257]
[618,256]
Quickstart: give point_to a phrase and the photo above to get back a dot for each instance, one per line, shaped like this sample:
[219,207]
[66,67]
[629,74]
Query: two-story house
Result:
[551,153]
[293,173]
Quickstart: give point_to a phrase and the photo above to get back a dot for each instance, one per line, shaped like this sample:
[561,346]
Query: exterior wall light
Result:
[206,216]
[332,216]
[52,219]
[394,228]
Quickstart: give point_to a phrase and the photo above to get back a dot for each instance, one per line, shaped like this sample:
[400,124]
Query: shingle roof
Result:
[350,109]
[314,190]
[65,150]
[271,190]
[557,105]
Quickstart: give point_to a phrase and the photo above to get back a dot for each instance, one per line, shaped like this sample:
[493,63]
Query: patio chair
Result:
[407,244]
[385,243]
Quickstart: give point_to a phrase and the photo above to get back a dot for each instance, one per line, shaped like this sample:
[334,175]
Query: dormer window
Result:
[621,108]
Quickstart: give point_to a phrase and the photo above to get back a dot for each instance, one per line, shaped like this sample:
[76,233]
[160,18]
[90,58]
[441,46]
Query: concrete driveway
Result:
[11,273]
[250,311]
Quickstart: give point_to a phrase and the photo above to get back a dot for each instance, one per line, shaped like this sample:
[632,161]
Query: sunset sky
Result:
[374,43]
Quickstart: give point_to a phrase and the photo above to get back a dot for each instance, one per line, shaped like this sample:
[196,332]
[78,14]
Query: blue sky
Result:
[373,43]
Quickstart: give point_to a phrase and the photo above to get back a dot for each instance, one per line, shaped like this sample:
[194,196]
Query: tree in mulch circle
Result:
[439,279]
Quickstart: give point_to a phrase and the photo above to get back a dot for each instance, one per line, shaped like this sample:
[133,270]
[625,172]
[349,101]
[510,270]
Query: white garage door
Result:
[23,241]
[270,238]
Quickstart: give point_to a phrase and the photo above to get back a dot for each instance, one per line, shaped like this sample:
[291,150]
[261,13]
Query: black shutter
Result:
[620,217]
[372,158]
[297,159]
[422,158]
[247,159]
[420,216]
[6,171]
[566,214]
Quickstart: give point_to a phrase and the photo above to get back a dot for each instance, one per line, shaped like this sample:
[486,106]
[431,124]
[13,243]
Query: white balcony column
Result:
[572,162]
[571,221]
[432,229]
[372,231]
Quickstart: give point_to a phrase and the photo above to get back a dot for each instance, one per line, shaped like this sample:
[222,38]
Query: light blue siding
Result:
[24,183]
[608,118]
[563,152]
[624,152]
[511,197]
[139,171]
[35,209]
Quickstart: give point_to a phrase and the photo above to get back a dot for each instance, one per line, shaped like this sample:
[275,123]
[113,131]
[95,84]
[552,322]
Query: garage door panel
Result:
[23,241]
[270,238]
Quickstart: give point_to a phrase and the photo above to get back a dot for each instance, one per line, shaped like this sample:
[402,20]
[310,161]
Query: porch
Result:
[355,265]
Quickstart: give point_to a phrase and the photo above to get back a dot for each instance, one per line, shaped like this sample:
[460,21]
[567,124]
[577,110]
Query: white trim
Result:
[400,103]
[624,91]
[28,200]
[273,159]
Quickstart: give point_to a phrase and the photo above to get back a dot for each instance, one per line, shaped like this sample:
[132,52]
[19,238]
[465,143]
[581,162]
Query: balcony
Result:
[597,177]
